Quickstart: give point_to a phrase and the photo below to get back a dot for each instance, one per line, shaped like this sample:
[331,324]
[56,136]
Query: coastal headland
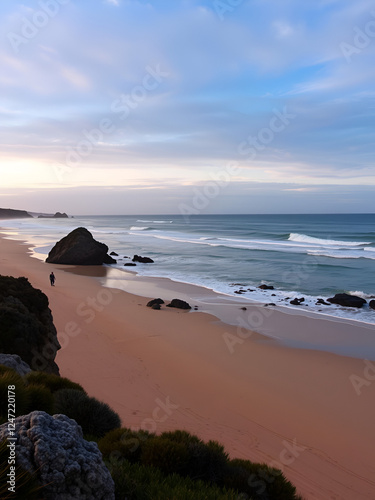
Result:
[308,412]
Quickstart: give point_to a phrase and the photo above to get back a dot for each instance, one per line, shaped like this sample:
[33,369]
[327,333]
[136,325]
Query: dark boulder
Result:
[347,300]
[132,264]
[266,287]
[372,304]
[179,304]
[144,260]
[322,302]
[297,302]
[114,254]
[79,248]
[157,307]
[155,301]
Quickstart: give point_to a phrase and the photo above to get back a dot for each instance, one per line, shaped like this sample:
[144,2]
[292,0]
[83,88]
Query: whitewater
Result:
[309,256]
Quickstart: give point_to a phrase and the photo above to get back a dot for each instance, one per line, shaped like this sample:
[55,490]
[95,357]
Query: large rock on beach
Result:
[144,260]
[67,466]
[153,302]
[14,362]
[27,327]
[347,300]
[179,304]
[81,249]
[372,304]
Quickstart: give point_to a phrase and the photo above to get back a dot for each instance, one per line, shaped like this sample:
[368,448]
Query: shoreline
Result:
[280,295]
[276,324]
[296,409]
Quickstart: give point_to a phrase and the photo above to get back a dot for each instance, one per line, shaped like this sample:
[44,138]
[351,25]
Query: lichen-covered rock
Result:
[27,327]
[16,363]
[68,466]
[81,249]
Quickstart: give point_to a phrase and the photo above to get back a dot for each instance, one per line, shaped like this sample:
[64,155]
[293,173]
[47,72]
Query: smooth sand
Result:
[161,370]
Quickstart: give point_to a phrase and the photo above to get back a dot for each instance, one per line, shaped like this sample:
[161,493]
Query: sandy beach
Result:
[308,412]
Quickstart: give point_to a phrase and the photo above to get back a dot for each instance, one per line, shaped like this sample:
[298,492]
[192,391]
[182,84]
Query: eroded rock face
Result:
[27,327]
[347,300]
[16,363]
[81,249]
[69,467]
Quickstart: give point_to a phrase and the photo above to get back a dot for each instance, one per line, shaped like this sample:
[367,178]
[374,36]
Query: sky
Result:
[187,106]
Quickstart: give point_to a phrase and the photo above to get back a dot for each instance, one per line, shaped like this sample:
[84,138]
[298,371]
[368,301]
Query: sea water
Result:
[310,256]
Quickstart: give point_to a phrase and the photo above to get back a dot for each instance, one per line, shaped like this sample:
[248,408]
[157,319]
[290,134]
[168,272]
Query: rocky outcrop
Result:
[80,248]
[179,304]
[322,302]
[155,303]
[27,327]
[14,362]
[347,300]
[266,287]
[144,260]
[297,301]
[57,215]
[372,304]
[9,213]
[68,466]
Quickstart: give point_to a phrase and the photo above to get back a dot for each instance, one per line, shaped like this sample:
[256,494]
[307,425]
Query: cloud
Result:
[224,81]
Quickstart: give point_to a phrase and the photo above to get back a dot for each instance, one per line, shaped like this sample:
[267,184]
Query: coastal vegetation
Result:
[143,465]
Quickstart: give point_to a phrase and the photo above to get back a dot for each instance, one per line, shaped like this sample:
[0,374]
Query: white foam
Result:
[303,238]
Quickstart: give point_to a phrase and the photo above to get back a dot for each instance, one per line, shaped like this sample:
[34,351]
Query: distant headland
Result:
[9,213]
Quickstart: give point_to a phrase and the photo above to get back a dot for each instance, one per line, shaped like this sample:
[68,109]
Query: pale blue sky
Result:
[125,106]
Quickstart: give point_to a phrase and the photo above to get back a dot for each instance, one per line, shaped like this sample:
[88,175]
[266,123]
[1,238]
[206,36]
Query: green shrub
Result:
[93,416]
[27,484]
[40,398]
[124,444]
[206,461]
[140,482]
[169,456]
[52,381]
[22,399]
[259,480]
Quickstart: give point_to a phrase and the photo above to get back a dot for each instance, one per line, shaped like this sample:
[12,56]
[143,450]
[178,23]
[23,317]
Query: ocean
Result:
[310,256]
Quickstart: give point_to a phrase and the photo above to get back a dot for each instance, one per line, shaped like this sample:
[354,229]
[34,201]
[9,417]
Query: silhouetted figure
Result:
[52,279]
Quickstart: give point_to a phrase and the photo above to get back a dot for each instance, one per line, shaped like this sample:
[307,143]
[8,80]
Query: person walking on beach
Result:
[52,279]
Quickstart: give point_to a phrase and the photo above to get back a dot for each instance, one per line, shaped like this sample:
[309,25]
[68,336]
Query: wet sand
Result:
[305,411]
